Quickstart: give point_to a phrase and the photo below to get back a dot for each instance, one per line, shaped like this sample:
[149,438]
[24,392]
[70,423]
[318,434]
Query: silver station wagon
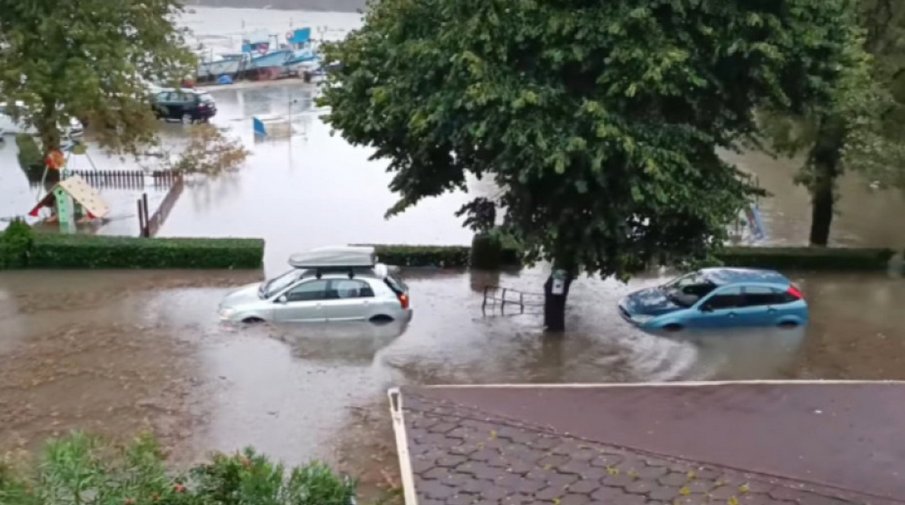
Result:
[327,284]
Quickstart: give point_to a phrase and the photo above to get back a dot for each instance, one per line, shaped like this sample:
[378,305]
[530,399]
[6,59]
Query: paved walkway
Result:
[810,444]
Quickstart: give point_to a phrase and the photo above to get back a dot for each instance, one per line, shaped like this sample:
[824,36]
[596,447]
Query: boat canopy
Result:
[335,257]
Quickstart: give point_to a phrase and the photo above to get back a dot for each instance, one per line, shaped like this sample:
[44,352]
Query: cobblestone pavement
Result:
[461,455]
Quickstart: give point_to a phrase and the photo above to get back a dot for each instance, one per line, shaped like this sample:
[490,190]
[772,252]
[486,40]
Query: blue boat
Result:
[273,59]
[304,57]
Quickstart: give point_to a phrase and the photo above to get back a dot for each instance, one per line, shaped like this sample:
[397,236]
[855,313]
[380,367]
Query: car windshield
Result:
[688,289]
[275,285]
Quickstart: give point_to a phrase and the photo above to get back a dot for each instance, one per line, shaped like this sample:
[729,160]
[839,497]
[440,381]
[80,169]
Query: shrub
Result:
[92,251]
[424,256]
[807,258]
[247,477]
[783,258]
[15,244]
[30,158]
[486,251]
[81,469]
[494,249]
[440,256]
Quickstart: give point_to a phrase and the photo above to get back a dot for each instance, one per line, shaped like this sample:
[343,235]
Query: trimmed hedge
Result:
[782,258]
[15,243]
[424,255]
[808,258]
[95,251]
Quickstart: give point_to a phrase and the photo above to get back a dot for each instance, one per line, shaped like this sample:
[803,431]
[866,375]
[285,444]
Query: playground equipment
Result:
[72,200]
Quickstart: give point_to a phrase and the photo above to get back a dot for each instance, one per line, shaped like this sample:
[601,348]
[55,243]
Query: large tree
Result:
[862,127]
[89,59]
[599,121]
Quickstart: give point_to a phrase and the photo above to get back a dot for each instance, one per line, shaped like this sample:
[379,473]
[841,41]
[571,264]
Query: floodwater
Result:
[312,188]
[116,352]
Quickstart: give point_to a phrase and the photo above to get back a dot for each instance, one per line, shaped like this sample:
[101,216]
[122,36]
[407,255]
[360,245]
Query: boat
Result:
[305,60]
[227,64]
[270,65]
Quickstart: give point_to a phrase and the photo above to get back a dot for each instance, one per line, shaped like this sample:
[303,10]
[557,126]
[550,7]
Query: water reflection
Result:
[352,343]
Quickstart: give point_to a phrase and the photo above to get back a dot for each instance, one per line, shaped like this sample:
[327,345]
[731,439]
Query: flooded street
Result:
[116,352]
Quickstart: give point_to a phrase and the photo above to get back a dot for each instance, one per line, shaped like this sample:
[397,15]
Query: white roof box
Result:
[335,257]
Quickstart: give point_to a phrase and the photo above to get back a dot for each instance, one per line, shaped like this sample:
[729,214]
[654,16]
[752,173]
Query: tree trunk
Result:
[555,304]
[821,210]
[825,165]
[48,127]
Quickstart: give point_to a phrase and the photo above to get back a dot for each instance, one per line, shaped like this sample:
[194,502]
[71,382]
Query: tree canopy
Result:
[862,126]
[89,59]
[599,121]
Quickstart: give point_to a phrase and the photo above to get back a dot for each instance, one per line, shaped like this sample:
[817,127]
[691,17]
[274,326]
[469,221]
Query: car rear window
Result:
[396,285]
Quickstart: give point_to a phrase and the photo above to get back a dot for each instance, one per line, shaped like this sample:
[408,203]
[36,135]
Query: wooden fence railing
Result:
[149,224]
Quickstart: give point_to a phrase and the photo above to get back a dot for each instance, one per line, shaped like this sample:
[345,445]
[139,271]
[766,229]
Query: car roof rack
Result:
[335,258]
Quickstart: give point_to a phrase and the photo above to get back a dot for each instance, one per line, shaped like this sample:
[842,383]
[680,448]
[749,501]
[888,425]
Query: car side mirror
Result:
[283,300]
[706,308]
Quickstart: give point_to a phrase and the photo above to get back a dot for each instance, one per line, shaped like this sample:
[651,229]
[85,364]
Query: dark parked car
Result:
[186,105]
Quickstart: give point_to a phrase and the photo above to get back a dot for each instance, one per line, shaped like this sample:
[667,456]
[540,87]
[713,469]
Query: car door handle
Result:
[732,314]
[771,309]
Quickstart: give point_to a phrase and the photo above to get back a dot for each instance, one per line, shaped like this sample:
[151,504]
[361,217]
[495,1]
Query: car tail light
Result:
[403,300]
[794,291]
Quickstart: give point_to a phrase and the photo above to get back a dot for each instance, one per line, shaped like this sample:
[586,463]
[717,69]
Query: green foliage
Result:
[598,121]
[782,258]
[15,244]
[209,152]
[29,153]
[807,258]
[424,256]
[486,251]
[82,469]
[89,60]
[85,470]
[250,478]
[494,249]
[861,127]
[94,251]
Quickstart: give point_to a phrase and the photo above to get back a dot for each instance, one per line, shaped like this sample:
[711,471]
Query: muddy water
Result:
[117,352]
[309,190]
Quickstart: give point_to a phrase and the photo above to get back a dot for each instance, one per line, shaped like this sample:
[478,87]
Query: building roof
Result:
[734,443]
[81,192]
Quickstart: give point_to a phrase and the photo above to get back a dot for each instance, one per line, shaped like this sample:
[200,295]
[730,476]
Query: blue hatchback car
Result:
[718,298]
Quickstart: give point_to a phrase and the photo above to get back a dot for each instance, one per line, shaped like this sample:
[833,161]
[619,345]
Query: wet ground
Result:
[116,352]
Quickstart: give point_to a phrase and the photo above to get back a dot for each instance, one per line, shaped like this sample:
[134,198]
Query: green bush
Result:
[495,249]
[424,255]
[782,258]
[486,251]
[85,470]
[807,258]
[94,251]
[30,158]
[15,245]
[439,256]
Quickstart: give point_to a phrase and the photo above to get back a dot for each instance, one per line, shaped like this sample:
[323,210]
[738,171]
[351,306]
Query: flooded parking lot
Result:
[116,352]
